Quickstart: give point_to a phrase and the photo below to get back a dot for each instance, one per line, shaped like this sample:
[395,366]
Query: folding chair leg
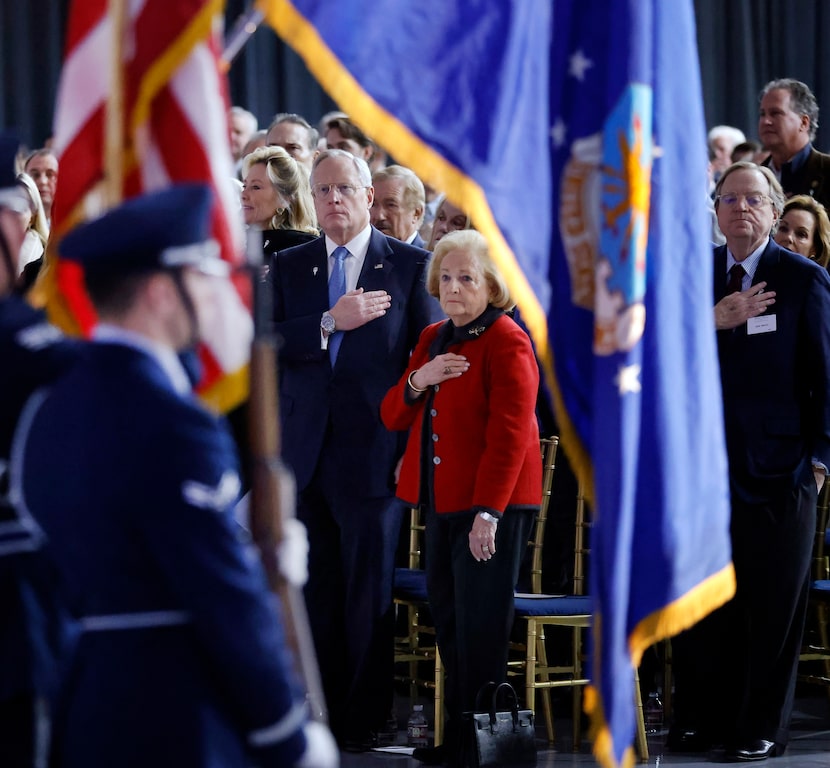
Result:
[439,698]
[642,742]
[542,655]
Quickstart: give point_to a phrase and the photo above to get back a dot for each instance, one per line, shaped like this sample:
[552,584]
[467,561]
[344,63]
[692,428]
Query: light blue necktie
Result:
[337,287]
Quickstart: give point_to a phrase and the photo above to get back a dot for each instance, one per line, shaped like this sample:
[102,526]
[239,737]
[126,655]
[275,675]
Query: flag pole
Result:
[242,31]
[114,131]
[272,485]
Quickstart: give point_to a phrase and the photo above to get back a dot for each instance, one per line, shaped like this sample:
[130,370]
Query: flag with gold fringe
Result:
[142,104]
[572,132]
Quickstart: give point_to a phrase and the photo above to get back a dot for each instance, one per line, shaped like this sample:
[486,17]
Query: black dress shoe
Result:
[759,749]
[430,755]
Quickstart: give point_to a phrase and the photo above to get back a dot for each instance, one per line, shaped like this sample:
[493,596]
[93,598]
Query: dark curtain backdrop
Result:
[743,44]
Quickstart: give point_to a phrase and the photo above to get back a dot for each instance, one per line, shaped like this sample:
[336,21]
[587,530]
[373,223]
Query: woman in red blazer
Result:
[472,462]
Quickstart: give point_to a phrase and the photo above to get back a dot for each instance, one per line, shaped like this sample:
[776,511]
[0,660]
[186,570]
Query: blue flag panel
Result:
[572,132]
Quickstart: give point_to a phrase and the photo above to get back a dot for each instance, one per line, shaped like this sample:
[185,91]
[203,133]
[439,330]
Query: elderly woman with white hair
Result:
[472,462]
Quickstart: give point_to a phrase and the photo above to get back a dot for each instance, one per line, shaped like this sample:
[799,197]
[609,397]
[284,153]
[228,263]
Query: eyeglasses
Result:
[753,199]
[344,190]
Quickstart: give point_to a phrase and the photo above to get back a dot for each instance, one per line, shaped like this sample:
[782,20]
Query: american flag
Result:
[142,104]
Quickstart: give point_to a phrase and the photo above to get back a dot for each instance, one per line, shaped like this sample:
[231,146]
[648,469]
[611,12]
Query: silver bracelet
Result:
[488,517]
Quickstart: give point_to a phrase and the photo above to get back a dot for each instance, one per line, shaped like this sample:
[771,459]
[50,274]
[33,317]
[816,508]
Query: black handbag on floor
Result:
[494,736]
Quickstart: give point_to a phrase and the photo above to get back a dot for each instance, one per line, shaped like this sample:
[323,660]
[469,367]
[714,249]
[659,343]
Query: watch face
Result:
[327,323]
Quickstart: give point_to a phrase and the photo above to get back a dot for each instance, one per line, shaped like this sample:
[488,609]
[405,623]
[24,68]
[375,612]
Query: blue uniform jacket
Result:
[181,659]
[33,354]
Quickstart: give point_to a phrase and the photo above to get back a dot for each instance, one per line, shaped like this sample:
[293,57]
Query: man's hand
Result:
[356,308]
[735,309]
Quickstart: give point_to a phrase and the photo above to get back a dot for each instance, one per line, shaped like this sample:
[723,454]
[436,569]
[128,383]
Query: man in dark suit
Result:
[181,658]
[736,671]
[344,347]
[398,208]
[787,127]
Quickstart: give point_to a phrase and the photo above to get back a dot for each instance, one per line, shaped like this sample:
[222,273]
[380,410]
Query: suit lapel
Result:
[719,276]
[377,266]
[767,264]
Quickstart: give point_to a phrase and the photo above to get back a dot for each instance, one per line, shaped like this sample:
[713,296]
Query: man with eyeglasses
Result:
[772,314]
[349,307]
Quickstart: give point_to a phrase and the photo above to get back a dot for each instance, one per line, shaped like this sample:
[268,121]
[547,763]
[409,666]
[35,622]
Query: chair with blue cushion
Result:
[573,611]
[417,661]
[815,650]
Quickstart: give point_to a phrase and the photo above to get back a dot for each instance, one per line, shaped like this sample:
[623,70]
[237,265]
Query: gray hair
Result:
[253,123]
[293,117]
[414,195]
[802,100]
[363,172]
[776,193]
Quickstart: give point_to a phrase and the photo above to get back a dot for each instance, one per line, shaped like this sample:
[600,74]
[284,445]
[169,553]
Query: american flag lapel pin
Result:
[378,266]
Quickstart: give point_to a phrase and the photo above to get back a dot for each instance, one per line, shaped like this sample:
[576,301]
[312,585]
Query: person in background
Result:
[787,127]
[746,150]
[349,307]
[448,218]
[721,140]
[181,658]
[805,228]
[243,125]
[296,136]
[276,198]
[467,401]
[342,133]
[37,228]
[398,208]
[256,141]
[42,167]
[771,310]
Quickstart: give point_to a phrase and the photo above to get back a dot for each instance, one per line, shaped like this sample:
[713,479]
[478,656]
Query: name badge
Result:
[761,324]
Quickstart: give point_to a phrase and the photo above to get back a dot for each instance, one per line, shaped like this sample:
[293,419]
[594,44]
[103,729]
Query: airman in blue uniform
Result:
[181,659]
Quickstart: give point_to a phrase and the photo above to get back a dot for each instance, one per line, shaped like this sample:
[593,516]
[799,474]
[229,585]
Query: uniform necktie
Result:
[736,279]
[337,287]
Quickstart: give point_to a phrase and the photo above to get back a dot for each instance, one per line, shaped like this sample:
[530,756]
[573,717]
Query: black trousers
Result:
[472,605]
[352,543]
[735,671]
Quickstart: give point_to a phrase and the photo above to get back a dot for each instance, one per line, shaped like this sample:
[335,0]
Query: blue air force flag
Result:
[572,132]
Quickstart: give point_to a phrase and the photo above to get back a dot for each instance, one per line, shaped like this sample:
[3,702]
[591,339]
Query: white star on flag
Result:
[628,379]
[558,131]
[578,65]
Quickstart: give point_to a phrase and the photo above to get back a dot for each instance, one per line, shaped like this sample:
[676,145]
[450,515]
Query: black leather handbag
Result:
[494,736]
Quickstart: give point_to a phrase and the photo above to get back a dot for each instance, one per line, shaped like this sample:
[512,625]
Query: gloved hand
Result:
[292,553]
[321,748]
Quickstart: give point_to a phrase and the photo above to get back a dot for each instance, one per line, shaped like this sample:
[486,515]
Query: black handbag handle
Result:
[497,688]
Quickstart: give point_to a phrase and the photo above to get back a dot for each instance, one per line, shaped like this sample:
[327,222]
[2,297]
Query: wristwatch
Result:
[327,324]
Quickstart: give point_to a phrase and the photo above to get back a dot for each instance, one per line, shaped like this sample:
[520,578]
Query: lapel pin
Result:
[314,271]
[378,266]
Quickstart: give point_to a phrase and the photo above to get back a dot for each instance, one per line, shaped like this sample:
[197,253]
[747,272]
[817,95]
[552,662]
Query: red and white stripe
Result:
[161,75]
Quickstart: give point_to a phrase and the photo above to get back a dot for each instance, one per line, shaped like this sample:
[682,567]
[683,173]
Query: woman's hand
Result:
[482,539]
[438,370]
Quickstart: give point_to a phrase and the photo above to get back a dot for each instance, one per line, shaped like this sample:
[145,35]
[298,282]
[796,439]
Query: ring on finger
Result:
[447,370]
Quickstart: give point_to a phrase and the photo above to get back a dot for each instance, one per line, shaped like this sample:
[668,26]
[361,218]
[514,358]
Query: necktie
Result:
[736,279]
[337,287]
